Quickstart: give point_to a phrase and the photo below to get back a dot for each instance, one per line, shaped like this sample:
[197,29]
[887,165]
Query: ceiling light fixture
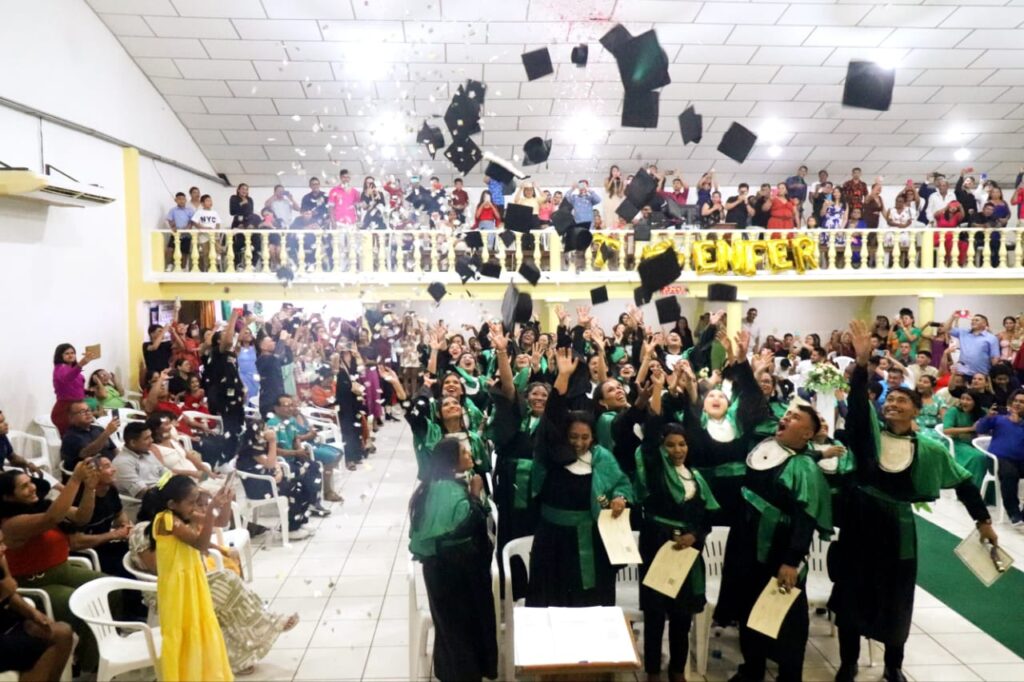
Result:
[962,154]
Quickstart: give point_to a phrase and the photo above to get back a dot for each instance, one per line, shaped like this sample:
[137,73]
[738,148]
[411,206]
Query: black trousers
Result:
[787,650]
[678,640]
[1010,473]
[849,650]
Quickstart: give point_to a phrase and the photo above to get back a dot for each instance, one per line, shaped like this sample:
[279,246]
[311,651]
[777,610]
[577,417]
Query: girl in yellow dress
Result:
[193,645]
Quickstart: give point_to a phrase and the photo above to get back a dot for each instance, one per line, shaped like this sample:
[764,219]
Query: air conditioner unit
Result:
[50,189]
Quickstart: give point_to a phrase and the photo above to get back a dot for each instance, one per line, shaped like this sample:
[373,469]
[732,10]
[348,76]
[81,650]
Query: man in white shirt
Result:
[922,366]
[939,200]
[754,329]
[207,219]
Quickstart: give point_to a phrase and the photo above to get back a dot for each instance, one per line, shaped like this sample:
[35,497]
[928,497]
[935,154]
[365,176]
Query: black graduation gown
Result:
[513,447]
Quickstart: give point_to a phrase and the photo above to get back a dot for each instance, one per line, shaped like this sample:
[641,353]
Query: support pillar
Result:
[134,261]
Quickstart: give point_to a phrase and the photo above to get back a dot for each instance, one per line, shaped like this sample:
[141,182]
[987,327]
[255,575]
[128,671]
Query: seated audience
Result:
[106,531]
[137,468]
[83,439]
[1007,431]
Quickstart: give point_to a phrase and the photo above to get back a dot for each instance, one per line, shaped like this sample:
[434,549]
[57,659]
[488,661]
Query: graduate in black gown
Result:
[573,479]
[448,535]
[677,504]
[874,567]
[786,499]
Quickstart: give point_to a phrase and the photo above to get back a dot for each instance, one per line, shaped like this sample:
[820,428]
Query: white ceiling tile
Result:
[244,49]
[208,137]
[785,109]
[337,89]
[307,9]
[757,13]
[757,35]
[180,86]
[913,94]
[567,107]
[486,54]
[126,25]
[1005,77]
[257,137]
[227,166]
[474,10]
[717,73]
[940,140]
[719,54]
[570,10]
[840,153]
[158,66]
[391,9]
[967,17]
[927,112]
[819,75]
[770,92]
[896,153]
[448,73]
[300,154]
[925,37]
[659,11]
[692,34]
[826,139]
[968,94]
[695,91]
[216,68]
[822,15]
[534,34]
[635,137]
[791,56]
[730,108]
[147,7]
[554,89]
[517,107]
[928,58]
[847,36]
[1014,94]
[221,121]
[867,126]
[226,9]
[956,77]
[906,16]
[356,70]
[819,93]
[501,123]
[429,32]
[277,29]
[991,38]
[282,122]
[762,152]
[235,151]
[842,56]
[183,27]
[293,71]
[240,105]
[923,126]
[308,138]
[414,89]
[265,89]
[186,104]
[982,115]
[163,47]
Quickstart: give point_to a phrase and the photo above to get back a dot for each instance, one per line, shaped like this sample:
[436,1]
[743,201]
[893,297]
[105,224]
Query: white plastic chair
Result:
[627,588]
[991,478]
[40,600]
[249,509]
[212,421]
[35,449]
[520,547]
[129,414]
[49,431]
[329,433]
[420,625]
[714,557]
[321,413]
[88,555]
[842,362]
[239,538]
[945,439]
[140,649]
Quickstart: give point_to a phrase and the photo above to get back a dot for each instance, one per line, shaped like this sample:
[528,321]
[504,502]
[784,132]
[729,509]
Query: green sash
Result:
[769,519]
[727,470]
[603,430]
[584,524]
[521,484]
[446,507]
[904,516]
[932,469]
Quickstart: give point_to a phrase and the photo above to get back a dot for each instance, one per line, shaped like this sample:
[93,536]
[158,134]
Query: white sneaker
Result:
[300,534]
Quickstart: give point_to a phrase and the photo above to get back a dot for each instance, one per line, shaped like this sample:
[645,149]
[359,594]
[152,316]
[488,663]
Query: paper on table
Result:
[93,350]
[978,557]
[572,636]
[618,539]
[668,571]
[771,608]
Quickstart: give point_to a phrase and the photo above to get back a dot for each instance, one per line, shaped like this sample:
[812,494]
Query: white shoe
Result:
[300,534]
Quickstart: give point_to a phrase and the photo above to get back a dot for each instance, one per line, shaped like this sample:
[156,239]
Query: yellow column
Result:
[925,309]
[546,313]
[865,311]
[734,319]
[133,244]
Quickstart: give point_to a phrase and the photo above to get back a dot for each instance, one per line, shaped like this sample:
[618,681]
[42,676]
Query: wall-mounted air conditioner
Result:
[50,189]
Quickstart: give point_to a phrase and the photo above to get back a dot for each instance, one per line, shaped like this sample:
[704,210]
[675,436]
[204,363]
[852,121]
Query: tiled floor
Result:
[348,583]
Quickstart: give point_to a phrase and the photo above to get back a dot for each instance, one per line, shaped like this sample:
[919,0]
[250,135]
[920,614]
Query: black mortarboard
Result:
[722,292]
[491,268]
[475,91]
[462,116]
[496,171]
[527,242]
[642,233]
[616,38]
[641,188]
[626,210]
[537,63]
[577,239]
[464,154]
[464,269]
[640,295]
[519,218]
[437,291]
[668,310]
[737,142]
[474,239]
[579,54]
[530,272]
[432,137]
[536,150]
[562,220]
[640,109]
[643,64]
[659,271]
[599,295]
[517,306]
[868,86]
[691,126]
[507,238]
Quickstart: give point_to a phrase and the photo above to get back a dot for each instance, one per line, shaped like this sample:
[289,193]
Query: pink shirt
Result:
[343,204]
[68,382]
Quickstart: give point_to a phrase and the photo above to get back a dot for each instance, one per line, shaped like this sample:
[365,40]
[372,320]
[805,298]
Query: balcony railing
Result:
[415,256]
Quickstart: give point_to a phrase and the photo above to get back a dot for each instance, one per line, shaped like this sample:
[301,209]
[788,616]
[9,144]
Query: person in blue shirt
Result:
[979,348]
[178,218]
[796,186]
[583,200]
[1007,431]
[497,191]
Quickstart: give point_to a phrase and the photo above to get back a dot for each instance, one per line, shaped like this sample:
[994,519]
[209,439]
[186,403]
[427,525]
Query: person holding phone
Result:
[583,200]
[68,383]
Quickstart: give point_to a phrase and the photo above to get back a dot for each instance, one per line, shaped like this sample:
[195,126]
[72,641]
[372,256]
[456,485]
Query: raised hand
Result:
[742,343]
[583,317]
[566,361]
[597,334]
[497,337]
[716,317]
[861,341]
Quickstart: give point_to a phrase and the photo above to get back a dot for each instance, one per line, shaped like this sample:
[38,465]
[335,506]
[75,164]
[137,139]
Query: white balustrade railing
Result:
[401,256]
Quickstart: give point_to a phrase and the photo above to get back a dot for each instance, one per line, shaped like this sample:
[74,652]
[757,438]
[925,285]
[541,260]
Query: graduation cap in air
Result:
[722,292]
[491,269]
[640,109]
[537,63]
[562,220]
[530,272]
[868,86]
[475,91]
[641,188]
[528,242]
[437,291]
[643,64]
[579,55]
[462,116]
[464,154]
[519,218]
[432,137]
[626,210]
[599,295]
[659,271]
[474,239]
[507,238]
[615,38]
[516,306]
[464,268]
[640,295]
[577,239]
[536,150]
[737,142]
[668,310]
[691,125]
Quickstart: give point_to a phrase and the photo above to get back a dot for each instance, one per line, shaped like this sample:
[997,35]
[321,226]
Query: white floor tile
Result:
[368,565]
[298,637]
[942,621]
[361,586]
[279,664]
[308,608]
[999,672]
[976,648]
[941,673]
[387,663]
[924,650]
[338,663]
[354,608]
[391,633]
[342,633]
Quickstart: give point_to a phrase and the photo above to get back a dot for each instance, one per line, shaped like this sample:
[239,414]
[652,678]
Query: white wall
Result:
[59,58]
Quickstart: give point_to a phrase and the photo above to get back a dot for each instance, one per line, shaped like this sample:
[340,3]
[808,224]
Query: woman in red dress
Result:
[783,211]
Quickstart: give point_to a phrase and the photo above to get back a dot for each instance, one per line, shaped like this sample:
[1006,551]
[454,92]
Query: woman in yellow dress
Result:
[193,645]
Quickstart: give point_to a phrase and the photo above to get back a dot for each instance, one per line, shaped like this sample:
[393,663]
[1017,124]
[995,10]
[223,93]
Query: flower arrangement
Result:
[826,378]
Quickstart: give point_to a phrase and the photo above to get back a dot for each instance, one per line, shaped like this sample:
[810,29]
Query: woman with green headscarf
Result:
[448,535]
